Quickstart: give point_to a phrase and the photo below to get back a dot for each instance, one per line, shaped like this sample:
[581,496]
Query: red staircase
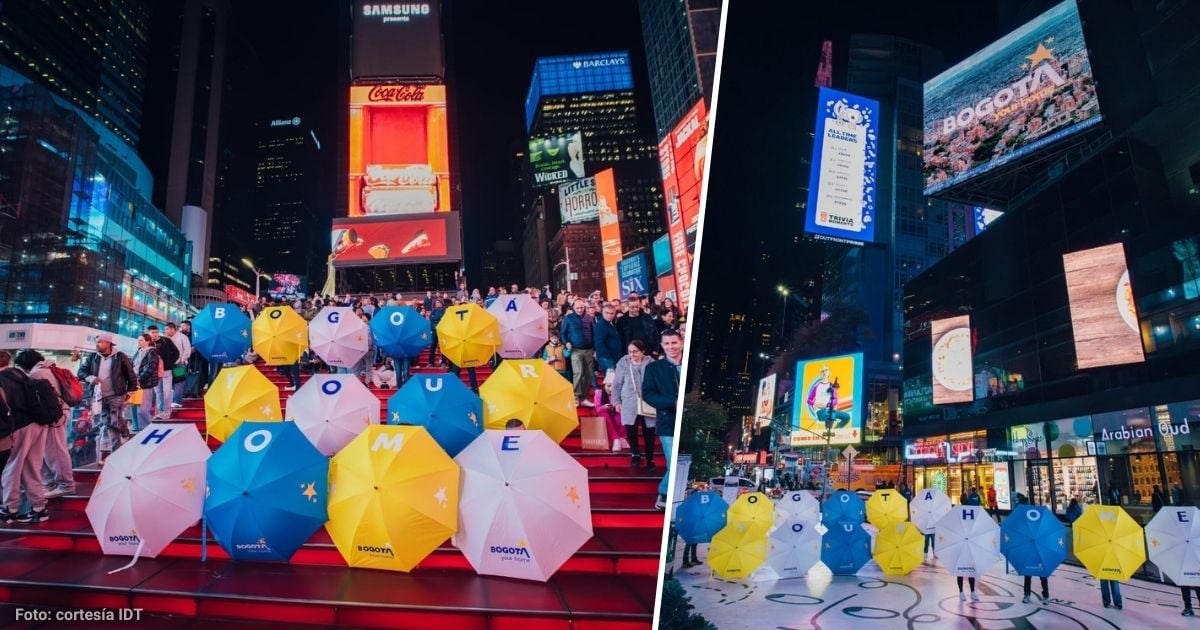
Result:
[609,583]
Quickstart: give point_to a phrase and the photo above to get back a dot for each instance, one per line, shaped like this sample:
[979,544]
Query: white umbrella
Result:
[332,409]
[524,325]
[1173,537]
[150,490]
[796,506]
[524,508]
[338,336]
[968,541]
[794,548]
[927,507]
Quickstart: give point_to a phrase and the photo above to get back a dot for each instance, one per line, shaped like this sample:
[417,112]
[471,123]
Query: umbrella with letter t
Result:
[886,508]
[469,336]
[1033,540]
[968,541]
[1109,543]
[1173,536]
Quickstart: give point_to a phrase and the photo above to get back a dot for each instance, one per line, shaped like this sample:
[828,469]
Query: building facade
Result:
[681,54]
[282,224]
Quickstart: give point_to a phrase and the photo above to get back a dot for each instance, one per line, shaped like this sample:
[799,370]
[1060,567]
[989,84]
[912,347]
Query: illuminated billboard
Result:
[286,286]
[396,39]
[1023,92]
[556,159]
[399,150]
[634,275]
[953,372]
[1104,316]
[662,255]
[984,217]
[841,188]
[828,390]
[682,155]
[577,74]
[764,405]
[391,240]
[610,229]
[578,201]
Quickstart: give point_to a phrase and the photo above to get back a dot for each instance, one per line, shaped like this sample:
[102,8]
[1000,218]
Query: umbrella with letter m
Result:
[1108,542]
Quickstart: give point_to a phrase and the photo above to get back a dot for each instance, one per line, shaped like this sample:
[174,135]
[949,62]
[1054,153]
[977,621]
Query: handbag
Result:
[642,408]
[178,371]
[594,433]
[134,397]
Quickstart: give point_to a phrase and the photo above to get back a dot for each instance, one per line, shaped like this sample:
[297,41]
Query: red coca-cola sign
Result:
[397,94]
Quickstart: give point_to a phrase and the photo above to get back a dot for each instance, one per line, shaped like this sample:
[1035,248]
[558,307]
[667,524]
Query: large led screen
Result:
[1021,93]
[1104,317]
[682,155]
[610,229]
[578,201]
[556,159]
[828,390]
[634,274]
[953,372]
[286,286]
[662,256]
[764,405]
[396,40]
[841,188]
[399,150]
[390,240]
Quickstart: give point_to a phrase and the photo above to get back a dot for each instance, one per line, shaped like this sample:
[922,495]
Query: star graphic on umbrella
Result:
[189,485]
[440,495]
[245,333]
[1061,543]
[473,418]
[395,416]
[1006,539]
[207,491]
[541,327]
[424,336]
[309,491]
[266,409]
[1154,542]
[573,495]
[492,407]
[133,532]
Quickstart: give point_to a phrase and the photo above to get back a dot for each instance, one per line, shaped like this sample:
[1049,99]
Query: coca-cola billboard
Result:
[396,94]
[396,40]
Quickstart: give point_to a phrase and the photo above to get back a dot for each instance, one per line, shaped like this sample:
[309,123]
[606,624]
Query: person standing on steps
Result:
[628,379]
[576,334]
[149,370]
[169,353]
[111,371]
[661,391]
[179,369]
[36,408]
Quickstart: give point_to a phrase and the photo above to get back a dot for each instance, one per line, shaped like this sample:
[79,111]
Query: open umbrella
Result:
[150,490]
[968,541]
[800,505]
[843,506]
[221,333]
[1174,540]
[736,553]
[393,498]
[280,335]
[266,491]
[401,332]
[794,548]
[338,336]
[468,335]
[927,508]
[846,547]
[886,508]
[700,517]
[524,325]
[332,409]
[1109,543]
[525,506]
[452,413]
[531,391]
[1033,540]
[898,548]
[752,512]
[238,394]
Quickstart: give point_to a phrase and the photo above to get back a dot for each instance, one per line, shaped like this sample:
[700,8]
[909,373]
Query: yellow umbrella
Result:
[280,335]
[736,553]
[899,548]
[887,507]
[531,391]
[239,393]
[1109,543]
[752,512]
[469,335]
[393,498]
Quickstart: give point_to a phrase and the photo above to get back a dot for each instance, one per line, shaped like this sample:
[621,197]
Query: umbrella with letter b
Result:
[700,517]
[968,541]
[1109,543]
[1173,536]
[338,336]
[1033,540]
[221,333]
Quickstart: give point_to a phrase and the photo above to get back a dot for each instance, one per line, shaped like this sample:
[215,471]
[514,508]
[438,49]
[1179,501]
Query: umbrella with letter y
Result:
[1173,536]
[968,541]
[238,394]
[736,553]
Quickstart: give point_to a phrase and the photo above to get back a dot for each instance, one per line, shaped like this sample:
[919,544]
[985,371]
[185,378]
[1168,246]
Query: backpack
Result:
[69,386]
[42,404]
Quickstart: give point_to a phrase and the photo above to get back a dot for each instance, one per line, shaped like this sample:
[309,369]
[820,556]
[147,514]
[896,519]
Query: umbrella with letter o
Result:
[752,512]
[1173,536]
[332,409]
[799,505]
[338,336]
[886,508]
[468,335]
[794,548]
[524,325]
[1108,542]
[401,332]
[928,507]
[968,541]
[700,517]
[238,394]
[843,506]
[736,553]
[452,413]
[846,547]
[531,391]
[280,335]
[1033,540]
[898,548]
[221,333]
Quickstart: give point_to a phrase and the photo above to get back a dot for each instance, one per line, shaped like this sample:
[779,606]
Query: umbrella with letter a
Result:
[524,325]
[928,507]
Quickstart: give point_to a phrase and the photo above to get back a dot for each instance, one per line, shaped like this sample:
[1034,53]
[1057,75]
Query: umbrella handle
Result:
[204,536]
[136,553]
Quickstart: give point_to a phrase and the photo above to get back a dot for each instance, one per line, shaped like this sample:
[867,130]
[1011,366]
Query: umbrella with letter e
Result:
[752,512]
[452,413]
[338,336]
[843,506]
[401,332]
[332,409]
[927,508]
[700,517]
[531,391]
[468,335]
[524,325]
[794,548]
[280,335]
[525,506]
[1108,542]
[968,541]
[221,333]
[1033,540]
[238,394]
[1173,537]
[846,547]
[266,492]
[735,553]
[899,548]
[886,508]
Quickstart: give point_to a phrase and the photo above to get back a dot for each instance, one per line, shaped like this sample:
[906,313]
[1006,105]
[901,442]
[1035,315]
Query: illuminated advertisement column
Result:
[681,157]
[610,230]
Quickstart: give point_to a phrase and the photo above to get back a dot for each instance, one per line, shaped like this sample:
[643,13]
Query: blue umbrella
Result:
[266,492]
[1033,540]
[845,548]
[843,506]
[451,413]
[701,516]
[221,333]
[401,332]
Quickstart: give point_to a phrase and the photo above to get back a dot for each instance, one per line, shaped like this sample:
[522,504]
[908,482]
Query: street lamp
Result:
[258,275]
[784,292]
[566,263]
[762,372]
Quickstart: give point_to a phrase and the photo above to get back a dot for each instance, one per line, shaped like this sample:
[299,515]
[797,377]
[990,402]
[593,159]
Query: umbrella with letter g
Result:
[221,333]
[1173,536]
[1109,543]
[800,505]
[338,336]
[1033,540]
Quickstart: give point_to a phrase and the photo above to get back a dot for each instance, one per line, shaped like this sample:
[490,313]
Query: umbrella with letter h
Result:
[1033,540]
[968,541]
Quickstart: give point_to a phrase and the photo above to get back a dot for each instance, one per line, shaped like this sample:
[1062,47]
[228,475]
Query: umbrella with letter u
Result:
[928,507]
[239,393]
[700,517]
[1109,543]
[531,391]
[843,506]
[452,413]
[886,508]
[1033,540]
[266,493]
[280,335]
[899,548]
[401,332]
[846,547]
[752,512]
[794,548]
[1173,536]
[221,333]
[332,409]
[338,336]
[468,335]
[799,505]
[524,325]
[968,541]
[736,553]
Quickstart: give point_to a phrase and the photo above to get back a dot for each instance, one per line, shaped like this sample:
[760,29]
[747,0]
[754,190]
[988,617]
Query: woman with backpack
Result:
[33,406]
[61,480]
[149,368]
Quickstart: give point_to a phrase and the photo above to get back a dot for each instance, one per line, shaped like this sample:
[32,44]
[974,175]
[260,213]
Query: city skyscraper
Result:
[281,228]
[681,53]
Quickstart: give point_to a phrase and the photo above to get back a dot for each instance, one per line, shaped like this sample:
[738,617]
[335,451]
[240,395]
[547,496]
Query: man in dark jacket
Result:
[607,339]
[169,353]
[435,317]
[637,325]
[576,334]
[660,389]
[111,371]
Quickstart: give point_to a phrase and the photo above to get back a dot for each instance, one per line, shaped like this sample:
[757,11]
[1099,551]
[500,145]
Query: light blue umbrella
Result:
[451,413]
[266,493]
[846,547]
[843,506]
[1033,540]
[401,332]
[221,333]
[700,517]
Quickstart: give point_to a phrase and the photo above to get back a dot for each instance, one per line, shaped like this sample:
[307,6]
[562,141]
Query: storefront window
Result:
[1075,478]
[1028,440]
[1069,437]
[1182,426]
[1128,431]
[1146,474]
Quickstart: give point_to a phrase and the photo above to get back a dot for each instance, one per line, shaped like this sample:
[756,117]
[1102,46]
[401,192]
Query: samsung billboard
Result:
[396,40]
[841,190]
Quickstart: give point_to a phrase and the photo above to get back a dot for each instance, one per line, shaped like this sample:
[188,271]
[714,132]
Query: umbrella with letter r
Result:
[221,333]
[1173,536]
[239,393]
[968,541]
[736,553]
[1109,543]
[266,493]
[794,548]
[338,336]
[468,335]
[531,391]
[401,332]
[752,512]
[280,335]
[332,409]
[928,507]
[452,413]
[886,508]
[1033,540]
[524,325]
[846,547]
[898,548]
[700,517]
[800,505]
[843,506]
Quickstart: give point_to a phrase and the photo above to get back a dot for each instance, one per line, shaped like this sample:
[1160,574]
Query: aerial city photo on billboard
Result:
[1030,88]
[828,391]
[953,373]
[397,39]
[1104,316]
[841,193]
[556,159]
[764,405]
[383,240]
[578,202]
